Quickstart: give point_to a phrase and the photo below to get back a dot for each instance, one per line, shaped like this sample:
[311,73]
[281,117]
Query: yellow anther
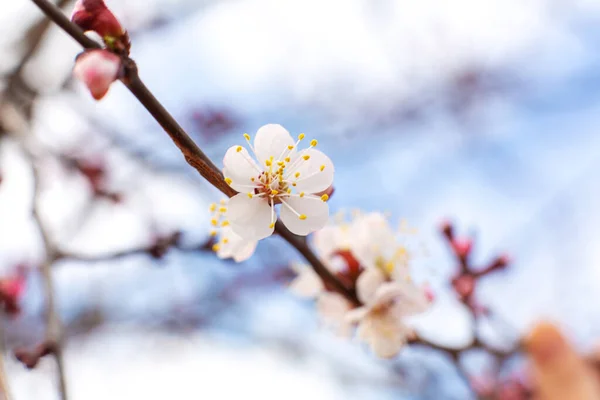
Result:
[238,149]
[294,184]
[306,157]
[250,195]
[222,209]
[228,180]
[325,197]
[272,225]
[389,267]
[301,194]
[274,192]
[252,179]
[216,247]
[301,136]
[222,202]
[290,147]
[280,163]
[289,191]
[287,159]
[302,216]
[322,168]
[297,174]
[313,142]
[214,222]
[225,240]
[212,207]
[225,223]
[213,233]
[268,163]
[247,137]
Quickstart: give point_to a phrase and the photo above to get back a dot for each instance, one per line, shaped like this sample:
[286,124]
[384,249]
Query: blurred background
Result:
[484,112]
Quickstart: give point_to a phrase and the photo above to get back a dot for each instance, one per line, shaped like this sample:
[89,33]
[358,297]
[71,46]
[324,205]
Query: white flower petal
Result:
[367,284]
[244,252]
[409,299]
[272,140]
[385,334]
[316,173]
[315,210]
[332,308]
[371,237]
[240,168]
[326,241]
[249,218]
[232,245]
[307,283]
[356,315]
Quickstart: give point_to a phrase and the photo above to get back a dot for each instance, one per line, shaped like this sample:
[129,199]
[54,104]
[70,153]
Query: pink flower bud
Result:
[97,69]
[93,15]
[11,291]
[462,247]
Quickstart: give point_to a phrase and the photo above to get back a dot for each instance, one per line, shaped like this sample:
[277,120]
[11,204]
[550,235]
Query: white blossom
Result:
[281,175]
[380,276]
[333,309]
[375,245]
[229,244]
[381,320]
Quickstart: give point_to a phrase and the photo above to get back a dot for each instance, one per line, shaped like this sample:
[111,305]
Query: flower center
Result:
[272,185]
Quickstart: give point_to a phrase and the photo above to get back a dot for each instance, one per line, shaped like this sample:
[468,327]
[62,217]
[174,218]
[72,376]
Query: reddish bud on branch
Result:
[464,286]
[93,15]
[97,69]
[11,291]
[462,247]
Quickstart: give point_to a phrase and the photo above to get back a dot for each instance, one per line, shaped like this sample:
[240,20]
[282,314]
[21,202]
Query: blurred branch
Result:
[157,250]
[53,325]
[4,388]
[17,124]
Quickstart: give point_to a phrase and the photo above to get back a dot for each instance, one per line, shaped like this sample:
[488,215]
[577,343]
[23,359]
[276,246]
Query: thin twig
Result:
[4,388]
[53,323]
[20,128]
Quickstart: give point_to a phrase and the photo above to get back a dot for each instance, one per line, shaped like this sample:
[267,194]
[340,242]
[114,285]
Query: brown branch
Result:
[57,16]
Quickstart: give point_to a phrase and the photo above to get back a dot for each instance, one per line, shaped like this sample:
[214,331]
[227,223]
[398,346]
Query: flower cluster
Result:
[366,257]
[99,68]
[229,244]
[298,180]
